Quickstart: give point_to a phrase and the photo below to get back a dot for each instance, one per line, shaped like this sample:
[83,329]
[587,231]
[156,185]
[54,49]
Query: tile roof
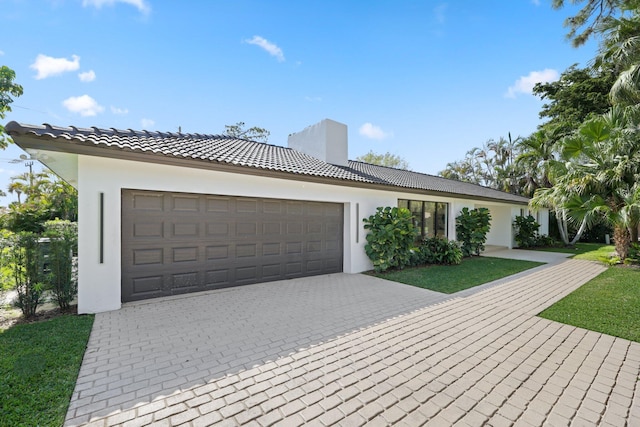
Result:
[241,152]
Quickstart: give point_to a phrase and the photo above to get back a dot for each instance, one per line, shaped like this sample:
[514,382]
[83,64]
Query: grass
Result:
[588,251]
[39,364]
[609,304]
[449,279]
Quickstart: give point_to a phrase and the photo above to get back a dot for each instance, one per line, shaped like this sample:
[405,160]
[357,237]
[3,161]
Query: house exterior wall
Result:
[100,283]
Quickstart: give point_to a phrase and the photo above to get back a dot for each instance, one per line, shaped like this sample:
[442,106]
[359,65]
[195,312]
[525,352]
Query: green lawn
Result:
[588,251]
[449,279]
[610,304]
[39,364]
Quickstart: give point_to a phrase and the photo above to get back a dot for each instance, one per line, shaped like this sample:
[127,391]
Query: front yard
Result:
[39,364]
[449,279]
[610,304]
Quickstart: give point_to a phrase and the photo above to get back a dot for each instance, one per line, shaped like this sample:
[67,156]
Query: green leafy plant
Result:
[26,259]
[60,277]
[436,250]
[472,226]
[526,229]
[391,238]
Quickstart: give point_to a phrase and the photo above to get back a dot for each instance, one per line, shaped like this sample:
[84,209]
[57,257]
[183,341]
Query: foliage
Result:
[46,198]
[607,304]
[387,159]
[472,227]
[8,89]
[436,250]
[492,165]
[586,22]
[254,133]
[391,238]
[526,229]
[602,174]
[579,94]
[61,278]
[449,279]
[39,365]
[25,258]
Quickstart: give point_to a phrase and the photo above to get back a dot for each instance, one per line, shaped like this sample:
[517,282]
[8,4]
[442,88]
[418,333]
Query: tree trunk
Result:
[562,226]
[633,232]
[622,241]
[583,227]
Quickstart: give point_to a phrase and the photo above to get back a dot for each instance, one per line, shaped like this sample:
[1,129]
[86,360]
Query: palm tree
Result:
[621,46]
[603,171]
[537,154]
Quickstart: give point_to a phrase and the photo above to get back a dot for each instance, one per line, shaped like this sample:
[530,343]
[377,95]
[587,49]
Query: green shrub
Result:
[25,257]
[436,250]
[60,276]
[391,238]
[472,227]
[546,241]
[526,229]
[633,256]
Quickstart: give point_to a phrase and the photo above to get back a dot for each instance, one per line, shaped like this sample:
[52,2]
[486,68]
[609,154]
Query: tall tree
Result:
[621,46]
[586,22]
[8,90]
[387,159]
[603,169]
[240,131]
[492,165]
[579,93]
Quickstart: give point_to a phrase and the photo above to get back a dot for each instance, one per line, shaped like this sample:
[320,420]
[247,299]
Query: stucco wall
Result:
[99,283]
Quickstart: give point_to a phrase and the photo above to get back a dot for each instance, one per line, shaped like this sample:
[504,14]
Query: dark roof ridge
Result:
[58,130]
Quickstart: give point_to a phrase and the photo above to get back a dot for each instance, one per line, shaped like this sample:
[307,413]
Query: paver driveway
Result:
[354,350]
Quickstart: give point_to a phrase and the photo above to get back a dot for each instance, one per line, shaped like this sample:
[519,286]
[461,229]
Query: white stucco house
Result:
[169,213]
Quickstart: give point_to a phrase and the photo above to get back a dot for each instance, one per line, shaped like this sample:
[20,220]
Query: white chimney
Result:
[326,141]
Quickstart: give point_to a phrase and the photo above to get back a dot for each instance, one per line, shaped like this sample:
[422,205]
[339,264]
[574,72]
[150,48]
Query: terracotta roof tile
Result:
[242,152]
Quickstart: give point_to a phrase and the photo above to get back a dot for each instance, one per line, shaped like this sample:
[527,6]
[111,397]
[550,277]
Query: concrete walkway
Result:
[355,350]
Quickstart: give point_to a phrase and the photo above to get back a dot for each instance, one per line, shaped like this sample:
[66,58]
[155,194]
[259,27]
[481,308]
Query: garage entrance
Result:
[174,243]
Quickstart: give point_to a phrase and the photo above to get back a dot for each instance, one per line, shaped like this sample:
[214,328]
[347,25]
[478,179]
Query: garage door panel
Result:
[176,243]
[148,201]
[185,254]
[246,206]
[246,229]
[148,230]
[185,280]
[147,286]
[187,229]
[148,256]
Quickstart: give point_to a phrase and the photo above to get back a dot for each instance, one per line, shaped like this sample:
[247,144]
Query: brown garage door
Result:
[175,243]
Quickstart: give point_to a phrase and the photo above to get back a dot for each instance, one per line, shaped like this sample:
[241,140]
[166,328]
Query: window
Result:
[430,217]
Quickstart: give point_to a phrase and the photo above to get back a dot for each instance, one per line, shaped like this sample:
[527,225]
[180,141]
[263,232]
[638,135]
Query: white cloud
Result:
[47,66]
[526,83]
[87,76]
[313,98]
[141,5]
[265,44]
[440,13]
[1,52]
[373,132]
[147,123]
[536,2]
[84,105]
[119,111]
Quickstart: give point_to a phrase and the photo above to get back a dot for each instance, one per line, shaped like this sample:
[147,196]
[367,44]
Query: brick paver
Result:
[354,350]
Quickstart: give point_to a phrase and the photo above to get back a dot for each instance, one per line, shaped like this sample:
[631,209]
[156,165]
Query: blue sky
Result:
[425,80]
